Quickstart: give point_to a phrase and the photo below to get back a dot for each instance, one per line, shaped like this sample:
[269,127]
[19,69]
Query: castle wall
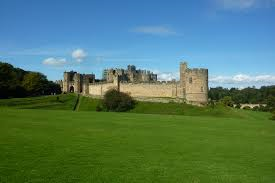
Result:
[139,90]
[99,89]
[151,90]
[192,87]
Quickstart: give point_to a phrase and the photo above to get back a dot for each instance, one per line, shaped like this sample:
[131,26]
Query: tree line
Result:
[229,97]
[16,82]
[250,95]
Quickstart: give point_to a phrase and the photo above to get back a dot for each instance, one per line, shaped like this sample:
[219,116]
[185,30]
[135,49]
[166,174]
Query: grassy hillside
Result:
[65,146]
[65,102]
[87,104]
[68,101]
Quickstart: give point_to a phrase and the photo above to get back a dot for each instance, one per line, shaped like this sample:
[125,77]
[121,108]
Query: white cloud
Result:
[243,4]
[54,61]
[155,30]
[243,79]
[79,55]
[166,76]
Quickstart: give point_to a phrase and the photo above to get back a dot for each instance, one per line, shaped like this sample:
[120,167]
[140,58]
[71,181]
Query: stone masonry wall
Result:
[101,88]
[139,90]
[151,90]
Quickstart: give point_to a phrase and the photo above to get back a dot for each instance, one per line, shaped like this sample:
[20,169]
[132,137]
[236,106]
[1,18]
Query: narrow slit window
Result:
[190,80]
[202,89]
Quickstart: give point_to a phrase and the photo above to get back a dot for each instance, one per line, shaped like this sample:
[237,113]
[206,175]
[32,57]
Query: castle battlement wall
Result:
[171,90]
[192,86]
[197,71]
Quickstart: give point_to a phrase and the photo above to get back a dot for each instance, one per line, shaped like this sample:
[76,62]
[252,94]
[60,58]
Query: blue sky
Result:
[234,39]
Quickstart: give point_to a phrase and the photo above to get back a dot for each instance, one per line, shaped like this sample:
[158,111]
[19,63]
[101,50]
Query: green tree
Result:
[117,101]
[271,103]
[273,115]
[34,83]
[238,106]
[227,101]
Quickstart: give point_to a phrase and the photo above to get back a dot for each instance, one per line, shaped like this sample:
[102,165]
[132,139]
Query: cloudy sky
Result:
[234,39]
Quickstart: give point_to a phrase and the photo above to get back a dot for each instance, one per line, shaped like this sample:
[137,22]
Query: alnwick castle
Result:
[192,87]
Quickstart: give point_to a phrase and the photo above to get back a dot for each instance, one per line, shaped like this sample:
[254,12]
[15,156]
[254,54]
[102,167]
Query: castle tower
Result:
[77,84]
[66,81]
[183,70]
[196,86]
[117,81]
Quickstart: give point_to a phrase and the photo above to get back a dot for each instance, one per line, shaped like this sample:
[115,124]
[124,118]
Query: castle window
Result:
[190,80]
[202,89]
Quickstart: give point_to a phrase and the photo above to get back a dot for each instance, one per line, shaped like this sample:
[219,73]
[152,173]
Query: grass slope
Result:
[69,101]
[65,102]
[65,146]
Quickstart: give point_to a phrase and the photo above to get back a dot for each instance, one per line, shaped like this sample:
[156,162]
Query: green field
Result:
[197,145]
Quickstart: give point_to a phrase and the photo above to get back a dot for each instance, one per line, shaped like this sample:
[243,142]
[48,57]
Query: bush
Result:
[273,116]
[256,108]
[238,106]
[98,108]
[246,108]
[117,101]
[227,101]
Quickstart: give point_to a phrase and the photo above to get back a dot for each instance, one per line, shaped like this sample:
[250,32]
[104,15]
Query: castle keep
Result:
[191,88]
[130,75]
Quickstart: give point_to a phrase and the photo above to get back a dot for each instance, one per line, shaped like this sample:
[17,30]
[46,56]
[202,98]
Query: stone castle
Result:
[130,75]
[192,87]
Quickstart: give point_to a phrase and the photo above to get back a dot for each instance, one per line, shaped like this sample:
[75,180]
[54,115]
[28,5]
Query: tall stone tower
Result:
[183,68]
[66,85]
[195,84]
[77,84]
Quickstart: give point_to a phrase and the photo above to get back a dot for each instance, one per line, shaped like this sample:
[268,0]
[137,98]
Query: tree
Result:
[117,101]
[271,103]
[238,106]
[15,82]
[10,81]
[227,101]
[273,116]
[34,83]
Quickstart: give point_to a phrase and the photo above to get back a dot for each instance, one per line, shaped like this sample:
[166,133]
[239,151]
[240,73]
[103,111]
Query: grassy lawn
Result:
[68,101]
[65,102]
[66,146]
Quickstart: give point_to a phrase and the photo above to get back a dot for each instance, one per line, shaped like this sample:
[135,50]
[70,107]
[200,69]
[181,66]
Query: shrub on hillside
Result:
[227,101]
[246,108]
[98,107]
[117,101]
[238,106]
[256,108]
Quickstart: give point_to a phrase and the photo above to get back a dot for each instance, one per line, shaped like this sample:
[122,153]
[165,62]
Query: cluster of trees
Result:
[116,101]
[248,95]
[16,82]
[229,97]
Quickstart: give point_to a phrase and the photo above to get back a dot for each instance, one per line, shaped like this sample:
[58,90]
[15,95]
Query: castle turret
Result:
[196,86]
[77,84]
[66,81]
